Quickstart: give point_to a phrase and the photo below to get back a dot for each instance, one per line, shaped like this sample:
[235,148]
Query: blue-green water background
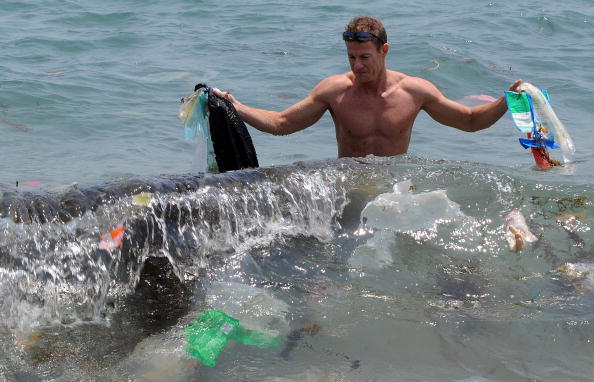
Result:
[90,91]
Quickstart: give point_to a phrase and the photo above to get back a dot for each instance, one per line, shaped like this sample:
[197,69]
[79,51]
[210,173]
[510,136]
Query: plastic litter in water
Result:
[193,113]
[517,231]
[143,199]
[257,308]
[402,210]
[213,329]
[112,239]
[533,115]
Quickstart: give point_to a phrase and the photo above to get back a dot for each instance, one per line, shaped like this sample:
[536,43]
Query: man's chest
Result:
[362,117]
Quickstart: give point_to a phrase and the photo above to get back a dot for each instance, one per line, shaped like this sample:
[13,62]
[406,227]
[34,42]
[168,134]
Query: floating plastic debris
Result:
[533,115]
[517,231]
[402,210]
[213,329]
[112,239]
[581,275]
[143,199]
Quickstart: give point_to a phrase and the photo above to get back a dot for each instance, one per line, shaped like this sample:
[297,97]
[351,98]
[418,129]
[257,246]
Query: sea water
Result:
[89,94]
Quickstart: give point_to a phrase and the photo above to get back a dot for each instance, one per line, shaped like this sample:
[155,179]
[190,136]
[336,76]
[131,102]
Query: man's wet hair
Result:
[370,25]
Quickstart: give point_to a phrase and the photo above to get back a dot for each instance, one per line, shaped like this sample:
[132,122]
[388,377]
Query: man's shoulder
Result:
[416,86]
[331,86]
[405,80]
[343,80]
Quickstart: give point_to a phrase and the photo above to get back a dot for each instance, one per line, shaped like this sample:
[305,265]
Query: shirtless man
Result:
[373,108]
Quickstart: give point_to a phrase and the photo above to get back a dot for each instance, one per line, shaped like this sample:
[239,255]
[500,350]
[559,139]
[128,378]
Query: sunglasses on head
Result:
[360,36]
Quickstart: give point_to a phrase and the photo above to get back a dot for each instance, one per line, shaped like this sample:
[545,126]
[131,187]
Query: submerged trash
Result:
[257,308]
[112,239]
[581,275]
[296,335]
[161,357]
[212,330]
[262,320]
[575,272]
[573,215]
[27,340]
[143,199]
[402,210]
[517,231]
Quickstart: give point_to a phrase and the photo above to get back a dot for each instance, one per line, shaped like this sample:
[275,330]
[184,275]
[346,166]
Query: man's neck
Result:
[376,86]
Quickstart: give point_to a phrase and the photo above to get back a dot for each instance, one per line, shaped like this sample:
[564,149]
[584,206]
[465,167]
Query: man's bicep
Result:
[444,110]
[302,115]
[307,111]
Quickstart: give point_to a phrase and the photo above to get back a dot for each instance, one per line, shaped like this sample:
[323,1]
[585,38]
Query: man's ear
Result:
[385,48]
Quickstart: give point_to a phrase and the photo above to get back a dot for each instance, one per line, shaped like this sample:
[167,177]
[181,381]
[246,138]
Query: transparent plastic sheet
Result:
[545,115]
[193,113]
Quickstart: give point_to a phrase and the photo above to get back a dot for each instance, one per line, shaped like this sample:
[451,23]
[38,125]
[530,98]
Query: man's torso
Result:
[370,123]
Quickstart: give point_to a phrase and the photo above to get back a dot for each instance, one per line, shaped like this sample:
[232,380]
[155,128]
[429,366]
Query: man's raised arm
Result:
[297,117]
[454,114]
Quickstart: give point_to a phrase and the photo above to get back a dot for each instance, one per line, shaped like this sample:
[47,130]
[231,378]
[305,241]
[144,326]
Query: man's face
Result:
[365,60]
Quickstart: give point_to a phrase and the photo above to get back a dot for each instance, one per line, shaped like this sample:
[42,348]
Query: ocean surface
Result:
[377,269]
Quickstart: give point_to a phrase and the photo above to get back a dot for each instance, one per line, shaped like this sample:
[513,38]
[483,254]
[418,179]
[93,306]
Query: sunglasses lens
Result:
[357,36]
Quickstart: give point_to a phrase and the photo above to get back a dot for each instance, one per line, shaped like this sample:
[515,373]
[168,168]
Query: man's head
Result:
[366,45]
[365,28]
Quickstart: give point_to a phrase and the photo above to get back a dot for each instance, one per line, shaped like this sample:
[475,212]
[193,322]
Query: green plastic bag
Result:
[213,329]
[521,109]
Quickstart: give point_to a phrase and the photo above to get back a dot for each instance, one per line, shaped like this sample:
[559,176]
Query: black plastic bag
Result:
[231,141]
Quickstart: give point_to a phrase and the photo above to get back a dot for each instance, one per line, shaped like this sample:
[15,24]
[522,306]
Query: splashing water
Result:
[330,255]
[55,272]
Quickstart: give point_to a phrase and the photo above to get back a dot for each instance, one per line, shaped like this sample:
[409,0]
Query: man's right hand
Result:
[225,95]
[515,87]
